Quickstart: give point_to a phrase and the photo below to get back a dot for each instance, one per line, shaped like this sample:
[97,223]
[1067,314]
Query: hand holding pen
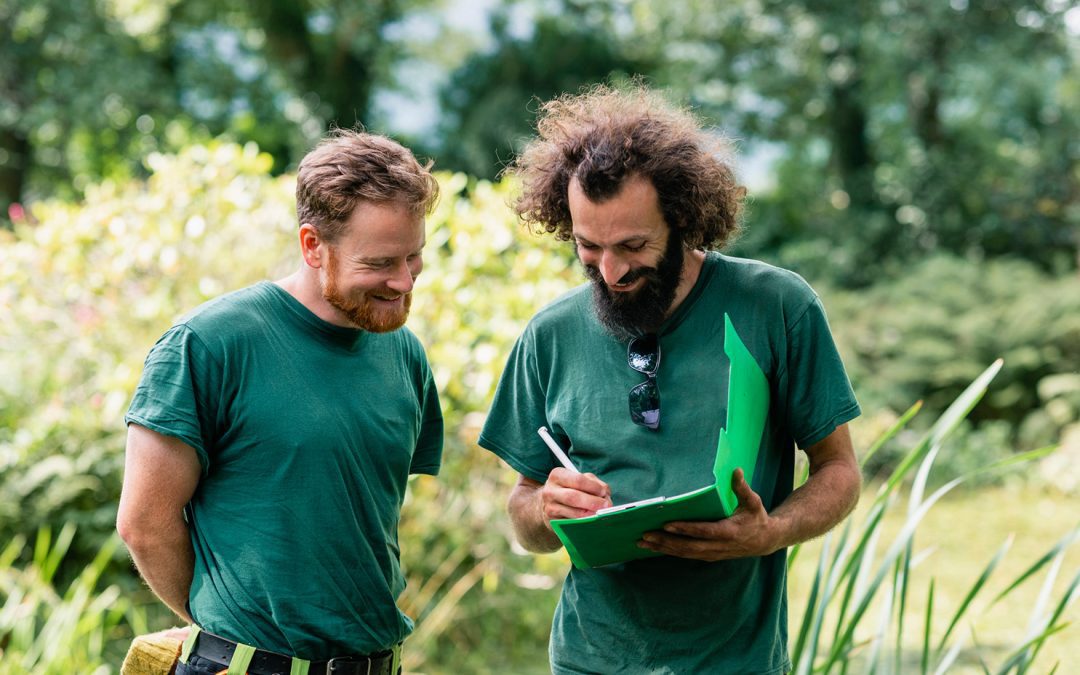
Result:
[568,493]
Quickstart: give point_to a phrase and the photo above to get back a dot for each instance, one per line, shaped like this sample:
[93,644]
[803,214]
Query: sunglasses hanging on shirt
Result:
[643,355]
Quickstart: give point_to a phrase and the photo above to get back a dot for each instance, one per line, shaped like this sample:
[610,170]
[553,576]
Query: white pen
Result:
[556,450]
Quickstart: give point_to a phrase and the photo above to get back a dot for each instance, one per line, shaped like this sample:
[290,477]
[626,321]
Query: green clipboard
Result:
[612,535]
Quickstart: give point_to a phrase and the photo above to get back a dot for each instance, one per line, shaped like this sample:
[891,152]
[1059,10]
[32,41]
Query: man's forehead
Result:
[631,213]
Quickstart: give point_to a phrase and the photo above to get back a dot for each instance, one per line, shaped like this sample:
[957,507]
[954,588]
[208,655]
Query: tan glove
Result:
[155,654]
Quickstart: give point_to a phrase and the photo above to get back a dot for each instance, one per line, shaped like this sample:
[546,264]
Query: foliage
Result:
[86,290]
[896,128]
[925,335]
[496,275]
[65,110]
[903,127]
[851,577]
[89,88]
[488,102]
[52,633]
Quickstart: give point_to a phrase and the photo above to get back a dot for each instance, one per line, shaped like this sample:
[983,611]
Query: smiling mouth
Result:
[624,287]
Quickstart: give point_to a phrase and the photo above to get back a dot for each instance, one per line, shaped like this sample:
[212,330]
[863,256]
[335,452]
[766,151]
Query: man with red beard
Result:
[646,195]
[272,434]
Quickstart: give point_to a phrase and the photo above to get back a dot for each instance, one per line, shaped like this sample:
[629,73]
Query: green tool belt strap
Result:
[189,643]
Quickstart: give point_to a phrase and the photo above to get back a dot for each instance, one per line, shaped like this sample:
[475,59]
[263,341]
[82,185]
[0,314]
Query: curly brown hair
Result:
[605,135]
[348,167]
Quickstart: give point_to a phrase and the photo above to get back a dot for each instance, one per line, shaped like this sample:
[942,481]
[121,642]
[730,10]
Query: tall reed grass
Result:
[46,631]
[854,621]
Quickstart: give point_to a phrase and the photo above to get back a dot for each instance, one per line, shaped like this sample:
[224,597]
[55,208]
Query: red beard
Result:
[364,312]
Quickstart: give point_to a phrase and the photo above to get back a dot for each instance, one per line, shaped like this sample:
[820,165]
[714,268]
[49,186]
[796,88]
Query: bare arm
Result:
[827,497]
[160,476]
[566,494]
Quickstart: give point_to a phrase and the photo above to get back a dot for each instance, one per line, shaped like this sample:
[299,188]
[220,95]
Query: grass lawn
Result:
[956,540]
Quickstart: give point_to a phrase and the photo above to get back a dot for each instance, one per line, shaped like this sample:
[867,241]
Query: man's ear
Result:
[312,246]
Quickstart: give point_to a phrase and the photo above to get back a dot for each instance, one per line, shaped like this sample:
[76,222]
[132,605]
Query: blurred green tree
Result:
[88,89]
[488,103]
[904,126]
[901,127]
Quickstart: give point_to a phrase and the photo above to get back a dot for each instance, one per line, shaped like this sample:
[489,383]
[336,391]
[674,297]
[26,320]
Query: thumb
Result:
[748,499]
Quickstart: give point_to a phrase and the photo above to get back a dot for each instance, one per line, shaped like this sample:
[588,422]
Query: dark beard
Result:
[628,315]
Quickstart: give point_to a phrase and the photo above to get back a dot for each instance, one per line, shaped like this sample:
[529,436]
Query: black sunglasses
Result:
[643,355]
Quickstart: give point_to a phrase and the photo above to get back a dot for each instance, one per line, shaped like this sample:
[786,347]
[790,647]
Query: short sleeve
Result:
[427,457]
[517,412]
[173,396]
[814,384]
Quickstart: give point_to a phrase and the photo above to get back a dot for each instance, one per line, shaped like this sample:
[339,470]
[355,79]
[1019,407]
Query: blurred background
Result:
[915,160]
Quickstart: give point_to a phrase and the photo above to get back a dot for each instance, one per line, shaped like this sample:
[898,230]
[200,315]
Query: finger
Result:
[605,489]
[560,502]
[748,499]
[582,482]
[556,511]
[683,547]
[697,529]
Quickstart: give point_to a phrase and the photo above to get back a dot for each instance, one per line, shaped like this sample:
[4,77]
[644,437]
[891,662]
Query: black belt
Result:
[220,651]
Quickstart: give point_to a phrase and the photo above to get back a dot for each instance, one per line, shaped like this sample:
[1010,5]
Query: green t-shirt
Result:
[306,433]
[667,614]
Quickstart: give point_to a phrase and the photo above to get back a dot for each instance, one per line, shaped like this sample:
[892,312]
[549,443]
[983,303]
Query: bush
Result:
[925,335]
[90,287]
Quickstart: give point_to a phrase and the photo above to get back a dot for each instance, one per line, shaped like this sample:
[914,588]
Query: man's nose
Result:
[612,268]
[402,280]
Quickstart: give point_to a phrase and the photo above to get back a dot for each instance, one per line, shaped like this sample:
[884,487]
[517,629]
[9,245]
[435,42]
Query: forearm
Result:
[160,477]
[531,527]
[824,500]
[166,560]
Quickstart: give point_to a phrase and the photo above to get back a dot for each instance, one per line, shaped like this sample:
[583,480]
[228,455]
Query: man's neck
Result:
[303,284]
[693,261]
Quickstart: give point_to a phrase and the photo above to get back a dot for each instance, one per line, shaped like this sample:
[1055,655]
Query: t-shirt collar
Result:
[341,336]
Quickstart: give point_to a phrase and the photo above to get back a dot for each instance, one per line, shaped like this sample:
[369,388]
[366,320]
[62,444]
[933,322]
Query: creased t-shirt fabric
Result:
[667,614]
[306,433]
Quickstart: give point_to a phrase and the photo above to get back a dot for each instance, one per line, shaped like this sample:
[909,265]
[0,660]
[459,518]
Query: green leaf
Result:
[928,621]
[1050,555]
[974,590]
[891,432]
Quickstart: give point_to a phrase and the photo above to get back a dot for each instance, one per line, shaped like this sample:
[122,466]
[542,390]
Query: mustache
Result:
[593,273]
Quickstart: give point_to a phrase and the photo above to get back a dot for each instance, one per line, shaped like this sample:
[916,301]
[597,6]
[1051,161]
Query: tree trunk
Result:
[851,154]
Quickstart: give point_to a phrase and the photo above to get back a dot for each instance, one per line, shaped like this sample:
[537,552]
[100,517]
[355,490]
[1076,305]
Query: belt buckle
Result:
[346,659]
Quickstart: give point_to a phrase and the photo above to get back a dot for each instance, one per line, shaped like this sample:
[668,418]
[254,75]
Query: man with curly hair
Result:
[646,195]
